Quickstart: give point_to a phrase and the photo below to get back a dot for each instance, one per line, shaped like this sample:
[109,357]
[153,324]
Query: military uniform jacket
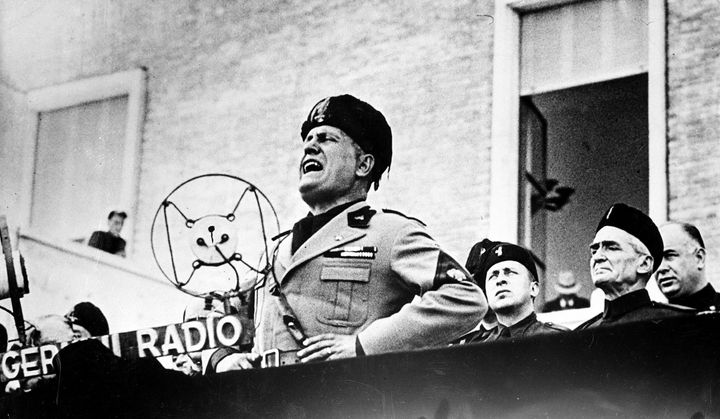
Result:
[566,302]
[632,307]
[528,326]
[705,300]
[360,277]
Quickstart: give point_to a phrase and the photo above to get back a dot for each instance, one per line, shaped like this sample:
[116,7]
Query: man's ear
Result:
[534,289]
[645,266]
[364,166]
[700,258]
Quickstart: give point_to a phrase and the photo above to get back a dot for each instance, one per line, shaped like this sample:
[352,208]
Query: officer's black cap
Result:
[507,251]
[476,262]
[363,123]
[638,224]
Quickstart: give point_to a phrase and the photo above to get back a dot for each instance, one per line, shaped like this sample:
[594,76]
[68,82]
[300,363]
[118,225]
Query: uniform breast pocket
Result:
[344,287]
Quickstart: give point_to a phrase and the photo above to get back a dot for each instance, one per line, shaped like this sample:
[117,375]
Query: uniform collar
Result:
[306,227]
[335,233]
[625,304]
[701,300]
[518,328]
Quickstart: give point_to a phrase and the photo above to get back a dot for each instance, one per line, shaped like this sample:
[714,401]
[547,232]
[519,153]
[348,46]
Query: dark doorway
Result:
[593,139]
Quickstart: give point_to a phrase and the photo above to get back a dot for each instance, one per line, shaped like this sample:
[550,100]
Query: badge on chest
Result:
[352,252]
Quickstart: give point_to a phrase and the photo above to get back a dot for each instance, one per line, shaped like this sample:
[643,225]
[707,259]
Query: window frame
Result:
[131,83]
[505,139]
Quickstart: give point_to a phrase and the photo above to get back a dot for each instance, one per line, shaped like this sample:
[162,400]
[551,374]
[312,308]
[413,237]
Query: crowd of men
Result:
[350,280]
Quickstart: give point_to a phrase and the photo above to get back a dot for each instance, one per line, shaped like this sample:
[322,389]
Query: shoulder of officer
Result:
[590,322]
[673,307]
[394,212]
[552,327]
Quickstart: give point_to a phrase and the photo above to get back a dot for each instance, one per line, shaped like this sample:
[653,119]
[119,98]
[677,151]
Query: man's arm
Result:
[450,303]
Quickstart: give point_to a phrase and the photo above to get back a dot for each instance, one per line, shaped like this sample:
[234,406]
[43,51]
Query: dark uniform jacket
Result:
[633,307]
[705,299]
[528,326]
[359,275]
[107,242]
[566,302]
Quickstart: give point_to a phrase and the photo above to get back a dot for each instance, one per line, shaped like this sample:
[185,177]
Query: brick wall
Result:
[694,120]
[230,82]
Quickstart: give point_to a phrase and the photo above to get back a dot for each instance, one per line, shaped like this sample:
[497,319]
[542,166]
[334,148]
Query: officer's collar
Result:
[625,304]
[700,300]
[311,224]
[520,326]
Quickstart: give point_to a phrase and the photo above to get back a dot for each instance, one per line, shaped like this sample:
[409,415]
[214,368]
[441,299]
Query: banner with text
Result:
[173,339]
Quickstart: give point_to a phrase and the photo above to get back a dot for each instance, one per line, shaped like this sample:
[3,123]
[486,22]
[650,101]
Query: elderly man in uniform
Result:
[346,275]
[627,249]
[681,276]
[511,284]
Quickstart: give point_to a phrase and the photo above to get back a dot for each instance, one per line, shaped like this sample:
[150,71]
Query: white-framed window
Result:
[566,59]
[83,161]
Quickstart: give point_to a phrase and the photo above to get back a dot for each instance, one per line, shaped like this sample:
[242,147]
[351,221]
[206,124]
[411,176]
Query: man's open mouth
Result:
[311,166]
[665,279]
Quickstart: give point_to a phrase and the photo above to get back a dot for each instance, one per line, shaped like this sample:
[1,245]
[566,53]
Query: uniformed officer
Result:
[511,285]
[476,264]
[567,288]
[347,273]
[625,252]
[681,276]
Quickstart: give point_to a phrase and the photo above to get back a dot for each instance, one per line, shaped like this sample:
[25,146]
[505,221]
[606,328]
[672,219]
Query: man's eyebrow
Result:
[605,243]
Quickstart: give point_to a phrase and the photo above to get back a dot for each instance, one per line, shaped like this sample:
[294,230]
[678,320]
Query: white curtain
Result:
[79,168]
[582,43]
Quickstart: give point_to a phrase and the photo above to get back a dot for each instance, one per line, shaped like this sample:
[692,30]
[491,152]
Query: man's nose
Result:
[310,146]
[598,255]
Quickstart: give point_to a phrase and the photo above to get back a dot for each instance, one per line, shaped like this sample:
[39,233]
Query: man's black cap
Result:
[506,251]
[363,123]
[90,317]
[636,223]
[477,260]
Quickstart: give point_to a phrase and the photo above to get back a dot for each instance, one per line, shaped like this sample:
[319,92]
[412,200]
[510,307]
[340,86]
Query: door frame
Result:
[504,154]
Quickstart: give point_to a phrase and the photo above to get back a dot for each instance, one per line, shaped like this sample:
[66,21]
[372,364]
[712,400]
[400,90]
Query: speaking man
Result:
[346,275]
[625,252]
[681,276]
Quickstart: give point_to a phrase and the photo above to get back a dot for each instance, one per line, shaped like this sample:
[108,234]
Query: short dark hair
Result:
[120,214]
[691,231]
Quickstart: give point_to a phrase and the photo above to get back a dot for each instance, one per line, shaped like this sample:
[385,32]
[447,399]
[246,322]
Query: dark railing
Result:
[663,369]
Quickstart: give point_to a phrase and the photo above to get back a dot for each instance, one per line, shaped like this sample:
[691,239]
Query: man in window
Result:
[625,252]
[681,276]
[511,285]
[110,241]
[347,274]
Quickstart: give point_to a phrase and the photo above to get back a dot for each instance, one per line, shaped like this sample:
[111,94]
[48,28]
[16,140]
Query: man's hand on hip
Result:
[327,346]
[238,361]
